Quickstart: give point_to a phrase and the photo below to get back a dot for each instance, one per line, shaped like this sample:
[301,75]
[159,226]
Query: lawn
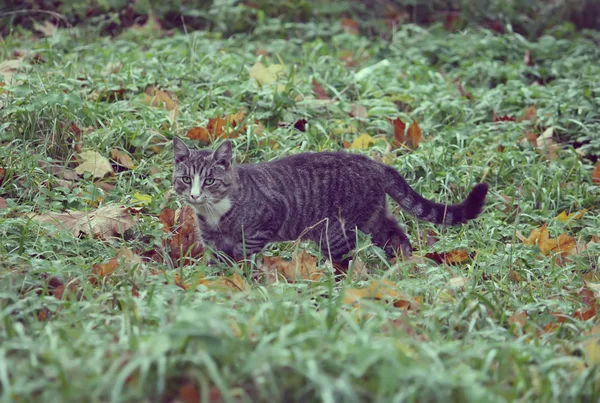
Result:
[501,309]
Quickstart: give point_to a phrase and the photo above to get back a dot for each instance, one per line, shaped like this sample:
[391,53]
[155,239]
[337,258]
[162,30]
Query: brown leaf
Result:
[462,91]
[399,129]
[234,282]
[381,290]
[359,111]
[105,269]
[504,118]
[540,237]
[262,52]
[183,243]
[596,174]
[122,158]
[3,203]
[302,267]
[109,220]
[228,127]
[413,136]
[452,257]
[349,25]
[93,162]
[188,393]
[518,318]
[155,97]
[529,114]
[319,91]
[527,59]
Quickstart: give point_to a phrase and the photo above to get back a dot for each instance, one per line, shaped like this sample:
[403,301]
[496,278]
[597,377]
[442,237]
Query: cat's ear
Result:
[180,150]
[223,154]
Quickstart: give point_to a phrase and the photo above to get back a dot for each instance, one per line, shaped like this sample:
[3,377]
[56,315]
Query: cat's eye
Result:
[186,179]
[209,181]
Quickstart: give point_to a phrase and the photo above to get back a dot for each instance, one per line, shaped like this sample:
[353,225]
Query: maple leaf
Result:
[122,158]
[109,220]
[183,243]
[217,128]
[302,267]
[93,162]
[540,237]
[564,217]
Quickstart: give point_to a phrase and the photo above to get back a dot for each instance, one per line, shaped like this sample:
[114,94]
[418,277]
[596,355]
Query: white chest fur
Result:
[213,212]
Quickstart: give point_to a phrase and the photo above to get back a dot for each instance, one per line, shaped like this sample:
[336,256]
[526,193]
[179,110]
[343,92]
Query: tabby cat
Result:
[321,197]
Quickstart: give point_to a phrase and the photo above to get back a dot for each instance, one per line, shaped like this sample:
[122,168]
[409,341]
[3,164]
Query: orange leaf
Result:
[518,318]
[302,267]
[529,114]
[414,136]
[183,243]
[105,269]
[399,129]
[319,91]
[349,25]
[596,174]
[452,257]
[198,133]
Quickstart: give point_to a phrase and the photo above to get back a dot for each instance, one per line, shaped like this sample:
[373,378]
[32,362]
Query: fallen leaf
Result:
[234,282]
[504,118]
[540,237]
[529,114]
[452,257]
[414,135]
[302,267]
[399,130]
[381,290]
[564,217]
[93,162]
[527,59]
[155,97]
[3,203]
[363,141]
[182,244]
[596,174]
[109,220]
[518,318]
[47,28]
[349,25]
[189,393]
[228,127]
[8,68]
[105,269]
[122,158]
[590,345]
[359,111]
[319,91]
[141,198]
[267,75]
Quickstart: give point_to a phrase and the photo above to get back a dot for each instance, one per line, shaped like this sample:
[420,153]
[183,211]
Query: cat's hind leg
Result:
[336,242]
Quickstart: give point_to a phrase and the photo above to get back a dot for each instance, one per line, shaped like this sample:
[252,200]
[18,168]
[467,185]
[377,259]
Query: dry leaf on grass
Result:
[319,90]
[162,99]
[564,244]
[109,220]
[382,290]
[591,346]
[302,267]
[564,217]
[596,174]
[3,203]
[452,257]
[234,282]
[8,68]
[228,127]
[93,162]
[363,141]
[183,243]
[122,158]
[266,75]
[349,25]
[410,138]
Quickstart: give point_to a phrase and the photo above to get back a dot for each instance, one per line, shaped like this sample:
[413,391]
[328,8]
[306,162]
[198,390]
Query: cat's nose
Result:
[195,197]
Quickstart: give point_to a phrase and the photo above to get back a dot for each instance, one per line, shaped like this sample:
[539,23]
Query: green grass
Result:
[299,342]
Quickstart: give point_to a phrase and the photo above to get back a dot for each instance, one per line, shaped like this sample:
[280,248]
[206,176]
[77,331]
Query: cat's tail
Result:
[420,207]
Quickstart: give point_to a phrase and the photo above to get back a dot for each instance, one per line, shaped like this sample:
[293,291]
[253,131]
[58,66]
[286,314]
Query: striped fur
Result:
[321,197]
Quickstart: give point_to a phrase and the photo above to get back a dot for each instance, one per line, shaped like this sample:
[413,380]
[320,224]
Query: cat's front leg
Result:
[253,243]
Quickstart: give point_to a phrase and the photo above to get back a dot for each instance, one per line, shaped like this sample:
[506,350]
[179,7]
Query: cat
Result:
[322,197]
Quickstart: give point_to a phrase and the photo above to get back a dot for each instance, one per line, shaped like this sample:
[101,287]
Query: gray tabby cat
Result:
[322,197]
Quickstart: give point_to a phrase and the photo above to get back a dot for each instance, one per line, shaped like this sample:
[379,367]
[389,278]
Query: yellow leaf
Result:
[414,136]
[158,98]
[265,75]
[229,283]
[122,158]
[564,217]
[141,198]
[93,162]
[382,290]
[591,346]
[363,141]
[540,237]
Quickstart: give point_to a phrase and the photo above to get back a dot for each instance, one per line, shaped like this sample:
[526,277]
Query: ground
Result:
[507,314]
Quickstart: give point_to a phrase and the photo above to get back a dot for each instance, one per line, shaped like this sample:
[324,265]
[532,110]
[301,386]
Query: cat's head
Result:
[203,176]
